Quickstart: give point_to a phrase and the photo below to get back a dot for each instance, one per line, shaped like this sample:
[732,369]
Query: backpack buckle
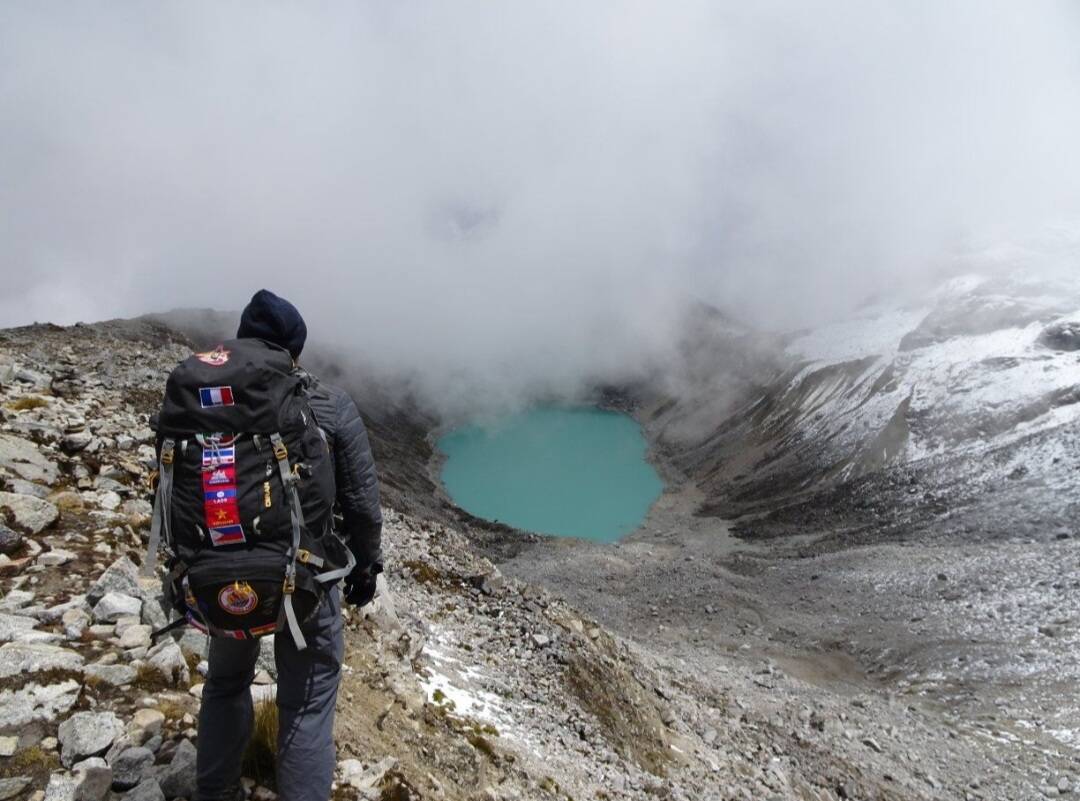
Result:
[281,453]
[289,587]
[303,556]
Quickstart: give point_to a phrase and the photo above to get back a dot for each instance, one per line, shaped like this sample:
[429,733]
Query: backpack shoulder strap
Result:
[162,502]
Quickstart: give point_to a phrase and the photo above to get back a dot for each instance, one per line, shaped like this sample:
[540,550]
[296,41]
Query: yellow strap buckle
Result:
[289,587]
[167,456]
[303,556]
[281,453]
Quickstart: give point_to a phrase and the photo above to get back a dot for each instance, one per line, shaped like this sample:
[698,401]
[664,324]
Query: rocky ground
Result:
[683,663]
[905,488]
[459,683]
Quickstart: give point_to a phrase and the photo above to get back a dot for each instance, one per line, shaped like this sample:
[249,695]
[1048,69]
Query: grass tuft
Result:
[260,759]
[422,572]
[27,402]
[171,709]
[150,679]
[193,660]
[484,746]
[395,787]
[34,761]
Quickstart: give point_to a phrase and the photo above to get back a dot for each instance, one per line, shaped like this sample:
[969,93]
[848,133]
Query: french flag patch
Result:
[215,396]
[227,535]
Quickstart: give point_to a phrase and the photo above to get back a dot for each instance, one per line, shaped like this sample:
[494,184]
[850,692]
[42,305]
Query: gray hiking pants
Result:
[306,695]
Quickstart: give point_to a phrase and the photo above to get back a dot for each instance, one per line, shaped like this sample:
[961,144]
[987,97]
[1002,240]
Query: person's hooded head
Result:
[275,320]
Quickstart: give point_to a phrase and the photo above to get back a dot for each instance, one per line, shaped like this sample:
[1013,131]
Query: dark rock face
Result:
[146,790]
[972,316]
[10,540]
[130,767]
[1061,336]
[178,779]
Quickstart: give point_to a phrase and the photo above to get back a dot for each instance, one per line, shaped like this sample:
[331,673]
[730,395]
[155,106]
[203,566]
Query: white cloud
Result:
[513,194]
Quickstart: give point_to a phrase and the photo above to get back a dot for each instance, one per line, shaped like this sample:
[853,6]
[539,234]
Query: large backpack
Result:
[245,495]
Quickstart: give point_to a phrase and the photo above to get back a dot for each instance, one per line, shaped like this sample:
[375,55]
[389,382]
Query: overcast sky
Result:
[522,186]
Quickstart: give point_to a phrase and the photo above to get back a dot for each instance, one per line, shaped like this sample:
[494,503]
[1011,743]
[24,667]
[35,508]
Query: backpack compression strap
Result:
[162,503]
[296,514]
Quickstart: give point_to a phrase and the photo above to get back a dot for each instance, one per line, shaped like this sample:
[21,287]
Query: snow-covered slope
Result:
[982,375]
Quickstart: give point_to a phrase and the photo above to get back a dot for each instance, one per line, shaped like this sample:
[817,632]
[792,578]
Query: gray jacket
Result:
[354,469]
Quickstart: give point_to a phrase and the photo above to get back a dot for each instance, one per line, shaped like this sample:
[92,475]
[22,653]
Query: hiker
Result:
[232,583]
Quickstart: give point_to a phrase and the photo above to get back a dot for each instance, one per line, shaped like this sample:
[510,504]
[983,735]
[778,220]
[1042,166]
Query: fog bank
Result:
[502,197]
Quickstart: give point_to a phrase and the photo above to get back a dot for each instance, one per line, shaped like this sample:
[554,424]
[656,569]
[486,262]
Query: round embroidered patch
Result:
[238,598]
[215,358]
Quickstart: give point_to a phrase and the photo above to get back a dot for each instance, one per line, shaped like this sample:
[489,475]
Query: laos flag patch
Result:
[210,397]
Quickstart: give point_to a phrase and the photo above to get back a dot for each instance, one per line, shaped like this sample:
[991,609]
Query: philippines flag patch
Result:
[227,535]
[215,396]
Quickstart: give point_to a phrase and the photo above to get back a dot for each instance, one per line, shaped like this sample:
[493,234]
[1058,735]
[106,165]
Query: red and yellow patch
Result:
[238,598]
[215,358]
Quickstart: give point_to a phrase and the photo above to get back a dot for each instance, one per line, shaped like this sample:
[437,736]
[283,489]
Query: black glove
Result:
[360,584]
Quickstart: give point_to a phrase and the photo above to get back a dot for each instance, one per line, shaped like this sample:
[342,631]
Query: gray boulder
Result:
[154,612]
[137,507]
[75,622]
[150,721]
[11,624]
[76,441]
[115,605]
[178,779]
[61,787]
[1061,336]
[94,778]
[136,637]
[146,790]
[35,702]
[16,600]
[121,576]
[57,612]
[56,557]
[381,610]
[29,514]
[23,487]
[10,540]
[87,734]
[25,460]
[116,675]
[27,657]
[352,772]
[14,786]
[35,378]
[130,767]
[169,660]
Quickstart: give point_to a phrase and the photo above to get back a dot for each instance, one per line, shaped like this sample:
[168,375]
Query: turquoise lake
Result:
[568,471]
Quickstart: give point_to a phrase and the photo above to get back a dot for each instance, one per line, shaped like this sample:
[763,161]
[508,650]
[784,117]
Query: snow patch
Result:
[450,680]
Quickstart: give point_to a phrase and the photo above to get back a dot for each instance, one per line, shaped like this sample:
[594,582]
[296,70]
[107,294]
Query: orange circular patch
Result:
[238,598]
[216,357]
